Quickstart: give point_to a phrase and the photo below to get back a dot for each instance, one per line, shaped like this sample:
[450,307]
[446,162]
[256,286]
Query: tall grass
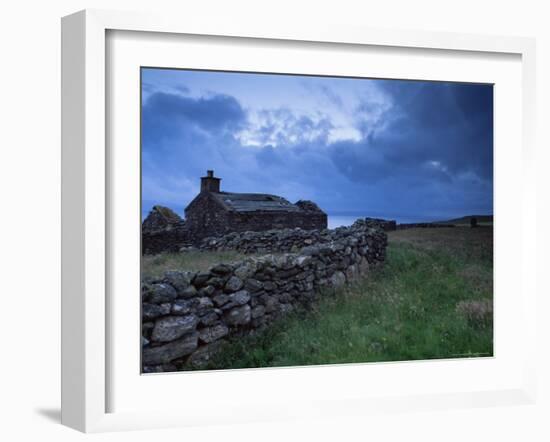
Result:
[154,266]
[405,311]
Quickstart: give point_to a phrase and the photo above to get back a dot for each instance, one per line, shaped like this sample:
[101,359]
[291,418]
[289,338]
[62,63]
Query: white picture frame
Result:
[86,214]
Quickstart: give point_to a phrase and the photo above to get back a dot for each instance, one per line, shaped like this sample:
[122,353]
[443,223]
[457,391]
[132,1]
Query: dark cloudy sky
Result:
[408,150]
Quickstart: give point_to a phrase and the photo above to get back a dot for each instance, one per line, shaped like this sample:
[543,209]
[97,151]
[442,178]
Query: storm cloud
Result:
[410,150]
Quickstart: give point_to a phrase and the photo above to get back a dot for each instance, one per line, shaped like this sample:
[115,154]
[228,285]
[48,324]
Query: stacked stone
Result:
[284,240]
[187,316]
[171,238]
[384,224]
[269,241]
[163,231]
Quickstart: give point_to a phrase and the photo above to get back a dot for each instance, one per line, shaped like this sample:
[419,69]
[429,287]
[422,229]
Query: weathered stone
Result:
[161,293]
[147,328]
[145,290]
[168,352]
[181,307]
[204,354]
[303,261]
[221,269]
[254,301]
[189,292]
[144,341]
[207,291]
[239,298]
[221,299]
[201,305]
[363,266]
[260,276]
[284,274]
[338,279]
[201,279]
[209,319]
[269,286]
[238,315]
[152,369]
[351,272]
[363,250]
[245,270]
[162,368]
[271,304]
[211,334]
[257,311]
[216,282]
[153,311]
[253,285]
[179,280]
[285,297]
[233,284]
[173,327]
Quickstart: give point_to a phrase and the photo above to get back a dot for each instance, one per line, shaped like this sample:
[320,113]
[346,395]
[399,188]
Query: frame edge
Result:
[73,361]
[83,185]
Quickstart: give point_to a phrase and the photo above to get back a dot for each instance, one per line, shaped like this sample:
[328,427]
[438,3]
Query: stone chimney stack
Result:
[210,183]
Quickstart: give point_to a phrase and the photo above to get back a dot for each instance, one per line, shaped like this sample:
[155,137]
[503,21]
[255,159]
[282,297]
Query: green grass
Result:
[405,311]
[482,220]
[154,266]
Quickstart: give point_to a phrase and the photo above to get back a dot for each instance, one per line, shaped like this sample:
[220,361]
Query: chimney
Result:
[210,183]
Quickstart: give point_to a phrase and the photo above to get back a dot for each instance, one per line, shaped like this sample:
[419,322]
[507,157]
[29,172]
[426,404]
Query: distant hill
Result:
[485,219]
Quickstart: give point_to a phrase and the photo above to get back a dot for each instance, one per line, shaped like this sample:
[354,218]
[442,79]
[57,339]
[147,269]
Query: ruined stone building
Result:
[163,231]
[214,212]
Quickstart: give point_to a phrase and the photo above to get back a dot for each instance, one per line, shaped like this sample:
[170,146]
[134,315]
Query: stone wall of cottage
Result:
[169,239]
[205,218]
[188,316]
[261,221]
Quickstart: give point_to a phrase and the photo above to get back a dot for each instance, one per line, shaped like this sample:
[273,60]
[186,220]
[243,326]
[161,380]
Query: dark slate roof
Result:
[252,202]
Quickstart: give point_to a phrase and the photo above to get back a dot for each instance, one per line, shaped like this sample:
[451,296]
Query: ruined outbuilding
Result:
[163,231]
[214,212]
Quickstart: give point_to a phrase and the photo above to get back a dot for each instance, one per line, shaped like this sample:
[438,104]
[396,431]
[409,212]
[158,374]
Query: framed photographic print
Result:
[251,214]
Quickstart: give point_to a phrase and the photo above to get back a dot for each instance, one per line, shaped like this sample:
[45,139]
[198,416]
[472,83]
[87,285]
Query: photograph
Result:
[298,220]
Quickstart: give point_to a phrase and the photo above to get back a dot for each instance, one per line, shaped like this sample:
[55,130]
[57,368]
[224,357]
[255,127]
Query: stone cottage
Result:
[215,213]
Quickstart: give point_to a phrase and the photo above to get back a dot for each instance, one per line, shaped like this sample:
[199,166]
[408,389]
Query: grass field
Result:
[154,266]
[482,220]
[433,299]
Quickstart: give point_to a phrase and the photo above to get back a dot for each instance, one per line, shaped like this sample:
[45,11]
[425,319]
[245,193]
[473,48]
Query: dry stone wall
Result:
[283,240]
[187,316]
[385,224]
[269,241]
[423,226]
